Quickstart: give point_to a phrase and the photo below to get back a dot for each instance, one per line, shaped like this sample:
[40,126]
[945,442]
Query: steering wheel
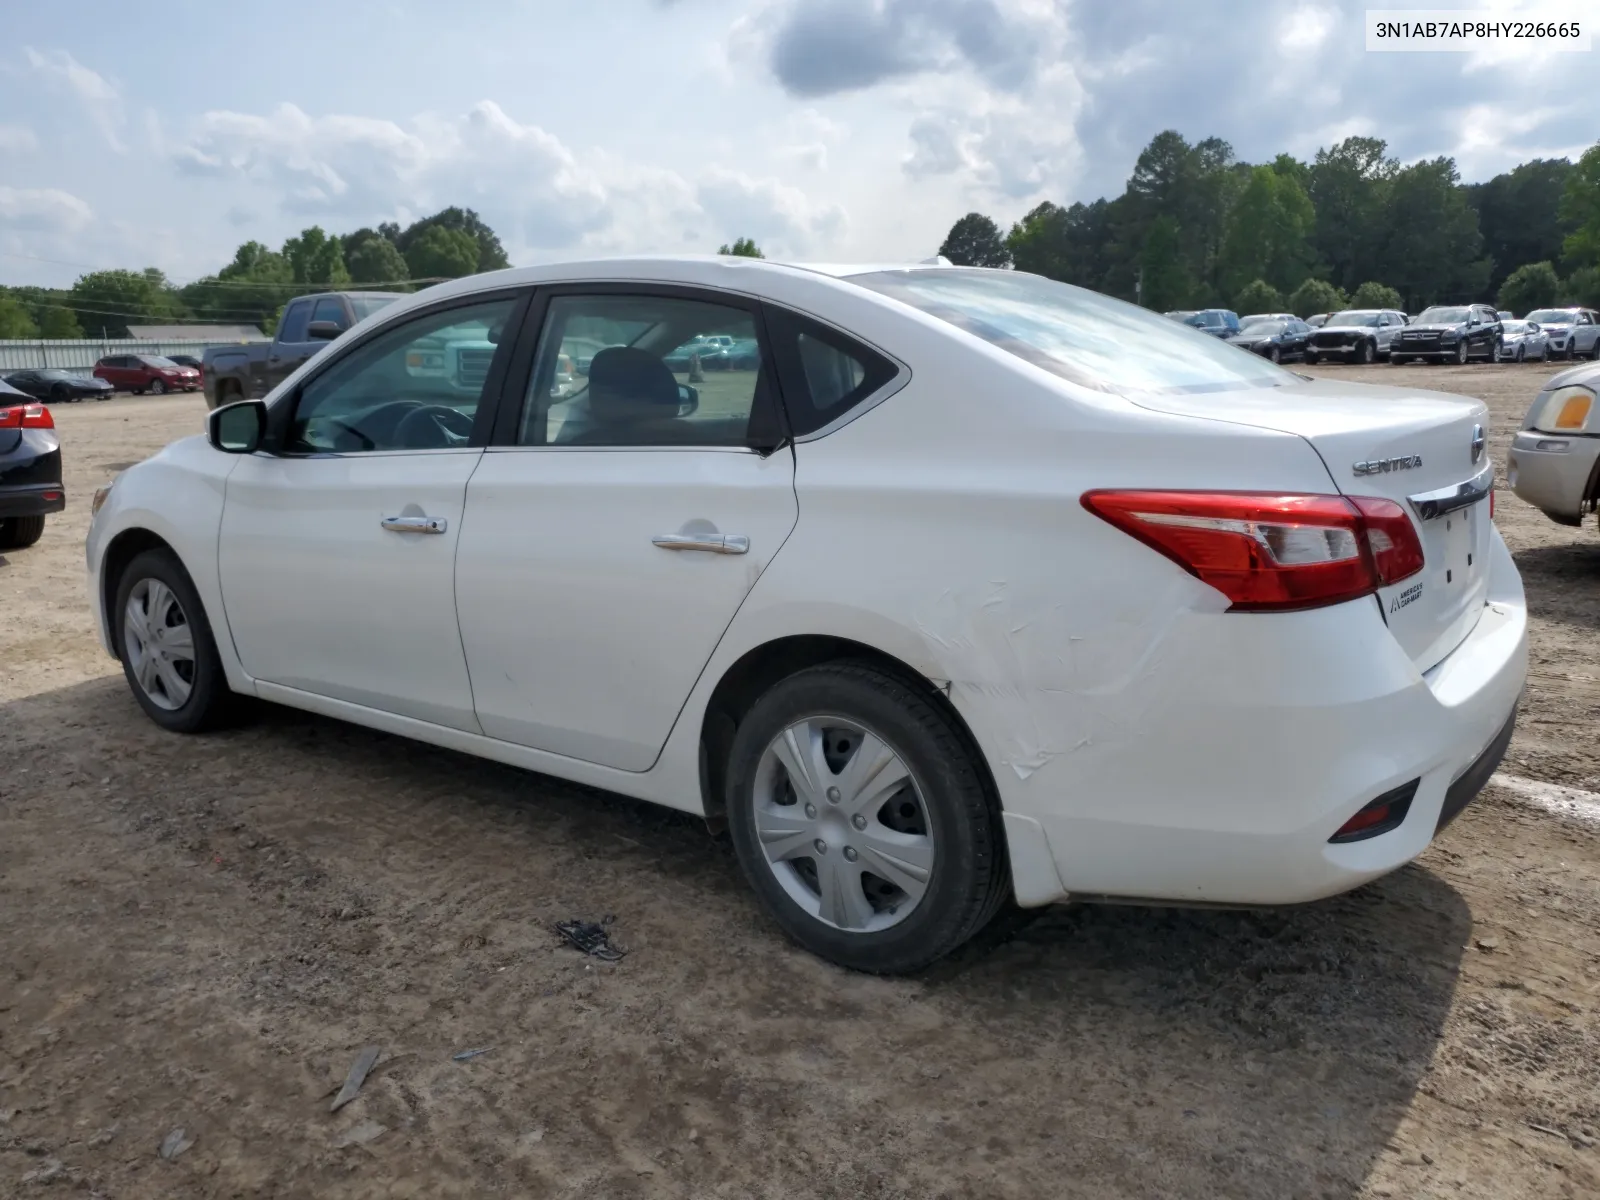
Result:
[433,427]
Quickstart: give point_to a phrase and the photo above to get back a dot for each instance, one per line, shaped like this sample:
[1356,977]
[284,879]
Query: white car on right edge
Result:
[1555,458]
[1572,332]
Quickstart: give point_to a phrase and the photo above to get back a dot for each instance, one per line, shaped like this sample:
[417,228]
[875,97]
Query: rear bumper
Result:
[1228,790]
[34,501]
[1553,472]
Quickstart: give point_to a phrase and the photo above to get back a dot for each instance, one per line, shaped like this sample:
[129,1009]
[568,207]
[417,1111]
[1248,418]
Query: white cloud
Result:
[527,184]
[17,139]
[99,98]
[42,210]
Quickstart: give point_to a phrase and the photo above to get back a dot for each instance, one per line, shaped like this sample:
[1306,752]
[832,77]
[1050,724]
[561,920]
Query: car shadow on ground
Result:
[1254,1052]
[1558,579]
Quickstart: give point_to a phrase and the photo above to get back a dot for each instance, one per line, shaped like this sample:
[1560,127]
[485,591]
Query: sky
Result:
[166,133]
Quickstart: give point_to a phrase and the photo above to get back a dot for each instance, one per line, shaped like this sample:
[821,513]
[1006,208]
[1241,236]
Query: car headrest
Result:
[626,384]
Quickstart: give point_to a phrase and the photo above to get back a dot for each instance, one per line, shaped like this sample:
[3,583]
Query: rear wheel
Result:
[166,647]
[1396,361]
[1594,351]
[18,533]
[137,391]
[862,821]
[59,394]
[1311,358]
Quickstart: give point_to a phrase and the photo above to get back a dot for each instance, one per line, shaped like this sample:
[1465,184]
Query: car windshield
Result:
[53,374]
[1353,317]
[1442,316]
[155,360]
[365,306]
[1082,336]
[1514,326]
[1551,316]
[1261,328]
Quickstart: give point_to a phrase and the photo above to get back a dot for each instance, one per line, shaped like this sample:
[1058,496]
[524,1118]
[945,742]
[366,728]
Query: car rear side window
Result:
[295,319]
[825,374]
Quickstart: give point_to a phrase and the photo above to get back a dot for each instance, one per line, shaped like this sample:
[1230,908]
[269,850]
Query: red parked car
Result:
[141,373]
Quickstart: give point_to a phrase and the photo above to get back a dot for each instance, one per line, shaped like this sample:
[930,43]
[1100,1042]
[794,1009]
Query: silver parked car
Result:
[1554,462]
[1357,335]
[1574,332]
[1523,341]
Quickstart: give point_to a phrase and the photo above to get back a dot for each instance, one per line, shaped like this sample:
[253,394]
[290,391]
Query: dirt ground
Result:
[202,933]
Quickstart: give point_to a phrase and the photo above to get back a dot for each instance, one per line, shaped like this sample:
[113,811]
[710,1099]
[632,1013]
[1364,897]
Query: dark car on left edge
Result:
[1272,336]
[57,386]
[30,469]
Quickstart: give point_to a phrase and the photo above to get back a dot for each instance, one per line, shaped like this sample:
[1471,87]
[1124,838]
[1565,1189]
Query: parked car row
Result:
[1444,333]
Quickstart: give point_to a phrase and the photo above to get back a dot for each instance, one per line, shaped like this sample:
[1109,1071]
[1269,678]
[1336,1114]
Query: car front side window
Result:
[416,386]
[295,319]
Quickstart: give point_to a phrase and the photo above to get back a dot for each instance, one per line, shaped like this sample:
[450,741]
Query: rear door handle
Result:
[711,543]
[416,524]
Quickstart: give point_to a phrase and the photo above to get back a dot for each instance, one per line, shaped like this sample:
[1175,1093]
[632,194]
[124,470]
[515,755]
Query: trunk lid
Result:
[1423,450]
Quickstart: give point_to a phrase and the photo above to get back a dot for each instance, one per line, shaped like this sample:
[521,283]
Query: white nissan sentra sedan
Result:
[966,588]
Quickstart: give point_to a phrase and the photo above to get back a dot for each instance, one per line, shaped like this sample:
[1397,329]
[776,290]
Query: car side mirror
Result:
[323,331]
[237,428]
[1532,328]
[688,400]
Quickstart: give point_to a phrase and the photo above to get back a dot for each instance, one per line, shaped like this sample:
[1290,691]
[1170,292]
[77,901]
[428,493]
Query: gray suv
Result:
[1360,335]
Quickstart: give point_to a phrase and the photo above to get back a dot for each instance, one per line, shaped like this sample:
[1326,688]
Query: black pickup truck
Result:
[251,370]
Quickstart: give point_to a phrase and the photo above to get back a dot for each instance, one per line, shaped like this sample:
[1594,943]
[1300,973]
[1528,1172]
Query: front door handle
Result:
[711,543]
[415,524]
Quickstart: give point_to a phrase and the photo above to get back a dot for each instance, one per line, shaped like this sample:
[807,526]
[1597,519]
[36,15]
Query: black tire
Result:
[1396,361]
[1275,354]
[158,387]
[18,533]
[137,391]
[1461,352]
[1366,354]
[210,703]
[1594,351]
[60,395]
[970,878]
[1311,358]
[1522,353]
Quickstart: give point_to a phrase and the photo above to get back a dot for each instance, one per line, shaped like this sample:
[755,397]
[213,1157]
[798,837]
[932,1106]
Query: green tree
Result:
[1197,187]
[1347,184]
[1372,294]
[112,300]
[491,255]
[1433,251]
[58,322]
[1580,209]
[1519,213]
[316,260]
[1315,296]
[15,320]
[1075,245]
[374,259]
[442,253]
[1258,296]
[1530,286]
[741,248]
[245,292]
[974,241]
[1269,233]
[1167,283]
[1583,287]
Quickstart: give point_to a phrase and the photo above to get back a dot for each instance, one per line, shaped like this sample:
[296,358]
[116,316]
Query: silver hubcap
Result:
[843,825]
[159,643]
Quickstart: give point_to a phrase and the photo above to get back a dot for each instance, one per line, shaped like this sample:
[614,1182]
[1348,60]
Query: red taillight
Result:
[1268,550]
[26,416]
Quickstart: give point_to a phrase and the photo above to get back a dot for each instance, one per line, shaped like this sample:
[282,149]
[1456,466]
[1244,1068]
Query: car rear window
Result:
[1079,335]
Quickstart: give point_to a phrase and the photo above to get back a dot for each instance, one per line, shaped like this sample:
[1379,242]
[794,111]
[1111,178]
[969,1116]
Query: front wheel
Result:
[165,643]
[1311,358]
[1396,361]
[1366,354]
[1522,354]
[159,387]
[862,820]
[1461,353]
[18,533]
[1275,354]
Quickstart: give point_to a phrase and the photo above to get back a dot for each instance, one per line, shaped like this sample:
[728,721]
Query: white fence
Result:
[81,354]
